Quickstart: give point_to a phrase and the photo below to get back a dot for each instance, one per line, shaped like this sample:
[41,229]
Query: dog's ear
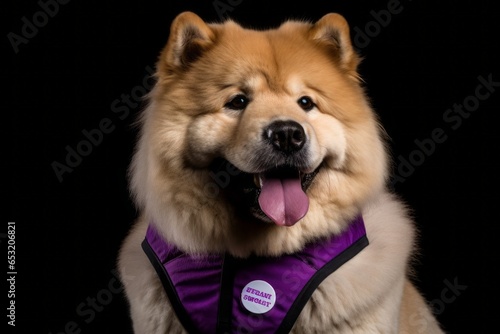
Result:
[332,30]
[189,37]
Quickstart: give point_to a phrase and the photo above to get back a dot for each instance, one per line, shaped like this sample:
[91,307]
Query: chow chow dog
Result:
[260,176]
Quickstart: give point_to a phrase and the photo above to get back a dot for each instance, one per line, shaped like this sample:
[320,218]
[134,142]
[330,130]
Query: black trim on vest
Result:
[179,309]
[306,293]
[225,311]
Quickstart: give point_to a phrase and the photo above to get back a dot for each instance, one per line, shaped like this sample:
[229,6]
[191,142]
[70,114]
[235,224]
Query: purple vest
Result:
[218,293]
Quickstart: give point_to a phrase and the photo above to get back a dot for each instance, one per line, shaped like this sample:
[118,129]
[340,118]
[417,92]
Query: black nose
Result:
[286,136]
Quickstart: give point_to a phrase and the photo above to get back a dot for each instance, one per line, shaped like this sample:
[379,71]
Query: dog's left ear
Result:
[332,30]
[189,37]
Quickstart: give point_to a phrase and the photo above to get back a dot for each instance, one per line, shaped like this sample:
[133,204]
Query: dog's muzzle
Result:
[277,192]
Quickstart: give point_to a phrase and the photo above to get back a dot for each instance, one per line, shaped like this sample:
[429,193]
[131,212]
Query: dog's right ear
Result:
[189,37]
[332,31]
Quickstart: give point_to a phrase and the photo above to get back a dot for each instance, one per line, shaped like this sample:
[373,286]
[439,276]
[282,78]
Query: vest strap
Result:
[225,311]
[315,281]
[169,287]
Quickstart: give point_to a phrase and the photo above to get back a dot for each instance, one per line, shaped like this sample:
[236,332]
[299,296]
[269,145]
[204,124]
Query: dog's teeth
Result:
[257,179]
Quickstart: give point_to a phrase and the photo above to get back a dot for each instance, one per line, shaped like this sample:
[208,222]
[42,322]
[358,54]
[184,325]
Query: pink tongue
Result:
[283,200]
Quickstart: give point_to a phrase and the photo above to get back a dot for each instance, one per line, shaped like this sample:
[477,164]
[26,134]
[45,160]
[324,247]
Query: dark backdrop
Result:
[74,69]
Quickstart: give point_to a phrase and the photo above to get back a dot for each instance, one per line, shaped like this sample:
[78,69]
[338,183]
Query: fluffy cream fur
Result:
[186,126]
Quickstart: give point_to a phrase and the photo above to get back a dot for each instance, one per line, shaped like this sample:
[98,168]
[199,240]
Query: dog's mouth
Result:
[277,195]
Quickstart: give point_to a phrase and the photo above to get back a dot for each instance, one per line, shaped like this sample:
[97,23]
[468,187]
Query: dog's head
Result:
[251,131]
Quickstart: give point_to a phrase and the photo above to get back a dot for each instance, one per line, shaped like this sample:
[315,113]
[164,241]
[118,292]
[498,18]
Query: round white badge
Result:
[258,297]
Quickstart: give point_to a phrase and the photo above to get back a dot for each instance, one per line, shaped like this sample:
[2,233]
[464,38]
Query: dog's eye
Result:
[239,102]
[306,103]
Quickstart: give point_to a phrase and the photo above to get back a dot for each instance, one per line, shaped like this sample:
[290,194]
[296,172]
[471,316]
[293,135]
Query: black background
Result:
[64,79]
